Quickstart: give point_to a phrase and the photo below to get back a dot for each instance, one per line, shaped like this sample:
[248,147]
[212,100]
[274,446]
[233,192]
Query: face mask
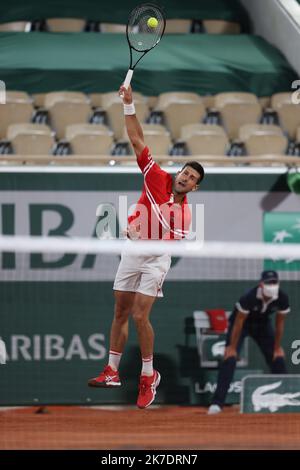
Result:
[271,290]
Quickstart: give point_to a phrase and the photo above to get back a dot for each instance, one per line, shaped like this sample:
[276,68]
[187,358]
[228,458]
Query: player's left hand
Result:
[278,352]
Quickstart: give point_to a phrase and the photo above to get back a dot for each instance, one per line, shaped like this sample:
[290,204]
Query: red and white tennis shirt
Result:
[156,216]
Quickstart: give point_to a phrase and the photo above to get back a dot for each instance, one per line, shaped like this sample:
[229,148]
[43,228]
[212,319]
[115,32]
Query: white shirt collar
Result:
[171,200]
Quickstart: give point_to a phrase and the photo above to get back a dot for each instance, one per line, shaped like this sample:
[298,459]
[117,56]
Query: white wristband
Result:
[129,109]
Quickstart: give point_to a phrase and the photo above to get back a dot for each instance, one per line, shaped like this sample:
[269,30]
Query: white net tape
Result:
[220,250]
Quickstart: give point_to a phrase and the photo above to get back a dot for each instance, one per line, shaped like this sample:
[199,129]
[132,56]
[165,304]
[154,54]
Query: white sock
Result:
[147,366]
[114,359]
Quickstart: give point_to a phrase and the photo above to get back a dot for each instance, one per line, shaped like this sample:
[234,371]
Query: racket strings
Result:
[141,36]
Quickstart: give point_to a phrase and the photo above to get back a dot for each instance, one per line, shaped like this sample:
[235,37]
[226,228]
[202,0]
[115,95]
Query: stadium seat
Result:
[85,128]
[96,100]
[288,113]
[237,109]
[112,28]
[221,27]
[30,139]
[28,128]
[15,27]
[204,139]
[152,101]
[159,144]
[156,137]
[18,97]
[14,113]
[65,25]
[178,26]
[113,107]
[113,95]
[64,113]
[155,129]
[180,108]
[170,96]
[208,101]
[89,139]
[265,102]
[263,139]
[66,96]
[39,99]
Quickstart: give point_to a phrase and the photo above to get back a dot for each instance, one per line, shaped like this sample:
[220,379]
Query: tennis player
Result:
[139,279]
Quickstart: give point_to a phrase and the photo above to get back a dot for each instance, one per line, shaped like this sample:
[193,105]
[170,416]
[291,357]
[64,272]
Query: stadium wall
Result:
[277,21]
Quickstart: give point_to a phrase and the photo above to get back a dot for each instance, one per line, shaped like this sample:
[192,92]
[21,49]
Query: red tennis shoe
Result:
[108,378]
[147,389]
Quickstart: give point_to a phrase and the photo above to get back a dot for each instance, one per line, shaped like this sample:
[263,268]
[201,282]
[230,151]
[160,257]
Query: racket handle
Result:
[128,78]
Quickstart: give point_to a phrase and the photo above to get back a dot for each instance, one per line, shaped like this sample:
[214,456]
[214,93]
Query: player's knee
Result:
[141,308]
[122,313]
[139,316]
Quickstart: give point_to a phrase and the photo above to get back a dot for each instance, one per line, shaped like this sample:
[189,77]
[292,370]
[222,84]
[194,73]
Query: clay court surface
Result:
[157,428]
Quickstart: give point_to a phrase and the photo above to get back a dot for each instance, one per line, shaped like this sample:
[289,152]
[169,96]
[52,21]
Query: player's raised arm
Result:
[134,129]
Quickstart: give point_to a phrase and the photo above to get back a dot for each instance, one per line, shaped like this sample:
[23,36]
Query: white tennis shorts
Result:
[144,274]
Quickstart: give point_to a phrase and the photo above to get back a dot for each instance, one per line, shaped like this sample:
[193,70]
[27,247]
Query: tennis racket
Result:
[141,36]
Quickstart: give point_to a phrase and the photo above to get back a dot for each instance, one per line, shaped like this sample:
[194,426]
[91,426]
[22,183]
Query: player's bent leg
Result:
[266,342]
[225,377]
[109,377]
[226,372]
[150,378]
[119,329]
[140,314]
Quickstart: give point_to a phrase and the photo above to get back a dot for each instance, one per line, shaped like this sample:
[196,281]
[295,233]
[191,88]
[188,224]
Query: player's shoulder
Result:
[145,155]
[251,294]
[149,166]
[282,296]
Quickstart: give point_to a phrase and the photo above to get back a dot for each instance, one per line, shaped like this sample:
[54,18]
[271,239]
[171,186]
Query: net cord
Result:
[222,250]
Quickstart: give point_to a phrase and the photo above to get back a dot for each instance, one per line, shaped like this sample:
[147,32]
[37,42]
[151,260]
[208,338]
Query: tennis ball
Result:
[152,22]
